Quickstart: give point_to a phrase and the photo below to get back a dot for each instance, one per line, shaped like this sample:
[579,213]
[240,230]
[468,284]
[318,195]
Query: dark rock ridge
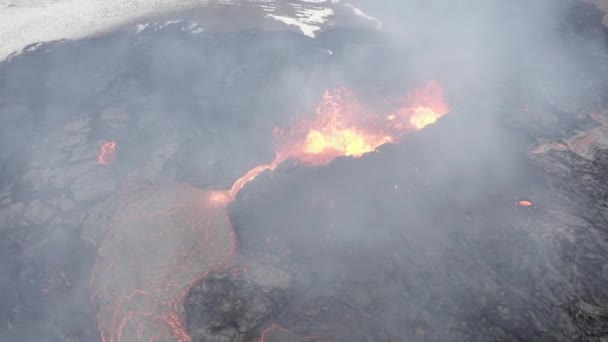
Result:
[437,259]
[235,305]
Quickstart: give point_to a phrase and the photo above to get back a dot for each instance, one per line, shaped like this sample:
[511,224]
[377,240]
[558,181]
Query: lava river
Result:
[163,239]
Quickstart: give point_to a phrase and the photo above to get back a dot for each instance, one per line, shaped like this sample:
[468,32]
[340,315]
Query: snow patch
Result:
[362,14]
[23,22]
[267,8]
[187,26]
[32,47]
[141,27]
[28,48]
[308,30]
[194,28]
[308,20]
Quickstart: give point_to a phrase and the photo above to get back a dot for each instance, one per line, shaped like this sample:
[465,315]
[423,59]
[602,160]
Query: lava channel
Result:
[166,238]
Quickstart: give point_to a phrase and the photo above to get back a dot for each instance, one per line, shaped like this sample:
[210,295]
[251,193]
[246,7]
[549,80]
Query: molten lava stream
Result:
[151,256]
[164,239]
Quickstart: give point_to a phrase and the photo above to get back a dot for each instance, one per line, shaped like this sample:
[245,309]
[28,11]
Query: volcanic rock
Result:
[64,204]
[5,198]
[81,153]
[37,178]
[381,278]
[96,222]
[79,125]
[590,318]
[268,276]
[155,166]
[115,117]
[63,177]
[38,212]
[74,134]
[277,334]
[228,307]
[92,186]
[70,140]
[11,214]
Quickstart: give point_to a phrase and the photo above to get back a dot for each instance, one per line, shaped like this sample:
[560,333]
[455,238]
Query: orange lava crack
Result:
[107,153]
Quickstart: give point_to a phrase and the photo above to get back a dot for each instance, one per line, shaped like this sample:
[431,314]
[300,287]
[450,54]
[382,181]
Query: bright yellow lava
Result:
[346,142]
[423,116]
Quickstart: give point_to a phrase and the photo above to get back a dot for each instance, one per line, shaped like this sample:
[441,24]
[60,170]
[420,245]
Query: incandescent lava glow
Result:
[163,239]
[335,130]
[343,126]
[424,106]
[107,153]
[218,197]
[423,116]
[524,203]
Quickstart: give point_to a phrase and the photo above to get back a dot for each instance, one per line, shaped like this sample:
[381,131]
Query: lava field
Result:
[171,183]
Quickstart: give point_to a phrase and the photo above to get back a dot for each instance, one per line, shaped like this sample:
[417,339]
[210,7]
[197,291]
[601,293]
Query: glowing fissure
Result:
[251,175]
[164,239]
[107,153]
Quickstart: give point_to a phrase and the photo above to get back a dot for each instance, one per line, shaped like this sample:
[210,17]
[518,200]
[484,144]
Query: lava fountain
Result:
[163,239]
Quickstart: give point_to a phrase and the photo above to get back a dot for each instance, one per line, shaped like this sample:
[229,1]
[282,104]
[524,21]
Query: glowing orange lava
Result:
[343,126]
[424,106]
[335,130]
[107,153]
[164,239]
[524,203]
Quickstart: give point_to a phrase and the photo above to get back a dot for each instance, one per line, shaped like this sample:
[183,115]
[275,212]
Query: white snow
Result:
[186,26]
[141,27]
[23,22]
[308,20]
[362,14]
[194,28]
[308,30]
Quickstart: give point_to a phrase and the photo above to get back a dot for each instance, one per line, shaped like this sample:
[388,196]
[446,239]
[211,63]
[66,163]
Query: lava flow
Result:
[164,239]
